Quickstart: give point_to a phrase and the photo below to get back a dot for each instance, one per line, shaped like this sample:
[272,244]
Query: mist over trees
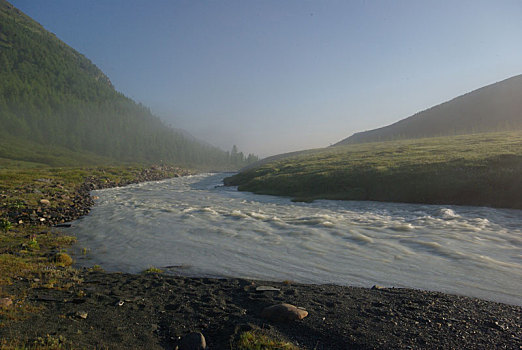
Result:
[238,158]
[54,96]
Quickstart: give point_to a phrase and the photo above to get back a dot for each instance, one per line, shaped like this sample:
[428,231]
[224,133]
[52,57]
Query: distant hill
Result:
[496,107]
[57,108]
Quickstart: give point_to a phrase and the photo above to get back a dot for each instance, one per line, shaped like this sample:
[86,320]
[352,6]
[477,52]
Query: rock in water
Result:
[283,312]
[192,341]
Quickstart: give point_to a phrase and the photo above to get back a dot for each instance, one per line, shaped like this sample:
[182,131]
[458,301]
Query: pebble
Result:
[82,314]
[5,302]
[267,289]
[192,341]
[45,202]
[283,312]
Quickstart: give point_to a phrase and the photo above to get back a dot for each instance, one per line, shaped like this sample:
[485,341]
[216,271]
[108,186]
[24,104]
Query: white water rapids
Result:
[198,228]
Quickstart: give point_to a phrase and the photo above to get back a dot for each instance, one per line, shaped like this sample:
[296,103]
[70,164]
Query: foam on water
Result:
[217,231]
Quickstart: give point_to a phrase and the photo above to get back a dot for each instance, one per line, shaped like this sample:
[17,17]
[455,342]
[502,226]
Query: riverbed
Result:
[193,226]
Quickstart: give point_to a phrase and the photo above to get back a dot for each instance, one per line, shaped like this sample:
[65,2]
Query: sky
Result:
[276,76]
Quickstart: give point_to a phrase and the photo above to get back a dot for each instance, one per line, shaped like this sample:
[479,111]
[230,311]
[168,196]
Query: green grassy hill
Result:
[493,108]
[481,169]
[58,108]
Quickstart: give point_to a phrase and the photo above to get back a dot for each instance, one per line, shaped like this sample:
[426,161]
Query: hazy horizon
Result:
[274,77]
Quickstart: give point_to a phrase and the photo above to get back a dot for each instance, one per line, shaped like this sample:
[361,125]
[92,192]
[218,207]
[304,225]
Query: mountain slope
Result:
[496,107]
[51,95]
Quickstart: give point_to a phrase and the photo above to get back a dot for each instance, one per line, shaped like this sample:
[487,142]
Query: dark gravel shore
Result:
[152,311]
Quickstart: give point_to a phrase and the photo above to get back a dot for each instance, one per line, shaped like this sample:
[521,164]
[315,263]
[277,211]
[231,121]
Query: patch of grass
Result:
[153,269]
[63,259]
[5,225]
[13,266]
[47,342]
[25,154]
[52,342]
[480,169]
[258,340]
[96,268]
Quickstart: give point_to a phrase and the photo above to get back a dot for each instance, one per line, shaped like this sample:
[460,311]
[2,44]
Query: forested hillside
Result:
[496,107]
[51,95]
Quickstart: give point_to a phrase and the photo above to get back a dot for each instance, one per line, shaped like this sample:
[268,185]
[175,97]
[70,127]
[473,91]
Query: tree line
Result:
[53,95]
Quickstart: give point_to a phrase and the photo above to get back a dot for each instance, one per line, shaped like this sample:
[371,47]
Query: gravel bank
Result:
[152,311]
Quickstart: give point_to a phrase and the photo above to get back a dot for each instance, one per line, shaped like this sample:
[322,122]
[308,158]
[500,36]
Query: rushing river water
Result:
[193,226]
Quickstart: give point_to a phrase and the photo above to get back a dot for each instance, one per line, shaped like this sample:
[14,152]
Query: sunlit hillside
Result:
[493,108]
[481,169]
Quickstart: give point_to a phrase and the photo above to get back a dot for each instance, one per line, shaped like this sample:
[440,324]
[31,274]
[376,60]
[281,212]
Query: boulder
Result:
[192,341]
[283,312]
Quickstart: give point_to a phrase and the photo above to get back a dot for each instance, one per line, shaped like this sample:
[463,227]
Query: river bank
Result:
[54,305]
[153,311]
[54,196]
[475,170]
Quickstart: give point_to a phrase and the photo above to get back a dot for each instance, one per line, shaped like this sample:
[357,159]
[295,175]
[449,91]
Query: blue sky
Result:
[275,76]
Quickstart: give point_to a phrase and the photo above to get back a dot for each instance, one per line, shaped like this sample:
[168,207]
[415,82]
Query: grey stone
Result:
[192,341]
[283,312]
[267,289]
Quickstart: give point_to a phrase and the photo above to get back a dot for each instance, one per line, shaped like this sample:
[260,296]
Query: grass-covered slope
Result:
[481,169]
[55,100]
[493,108]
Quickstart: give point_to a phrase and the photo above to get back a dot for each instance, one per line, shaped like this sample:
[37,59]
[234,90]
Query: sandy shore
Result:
[152,311]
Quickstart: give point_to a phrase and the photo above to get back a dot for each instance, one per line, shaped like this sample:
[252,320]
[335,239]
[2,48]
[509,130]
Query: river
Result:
[193,226]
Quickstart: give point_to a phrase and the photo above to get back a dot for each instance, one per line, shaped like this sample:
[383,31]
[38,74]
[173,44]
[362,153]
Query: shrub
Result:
[63,259]
[5,225]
